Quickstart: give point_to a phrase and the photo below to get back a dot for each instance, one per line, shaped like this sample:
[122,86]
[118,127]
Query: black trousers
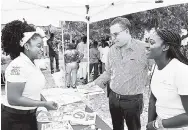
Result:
[52,56]
[95,66]
[100,67]
[126,107]
[13,121]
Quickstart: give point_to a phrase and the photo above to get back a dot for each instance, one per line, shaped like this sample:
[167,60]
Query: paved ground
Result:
[98,103]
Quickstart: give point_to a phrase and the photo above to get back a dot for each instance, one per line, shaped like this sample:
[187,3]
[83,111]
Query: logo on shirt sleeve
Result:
[15,70]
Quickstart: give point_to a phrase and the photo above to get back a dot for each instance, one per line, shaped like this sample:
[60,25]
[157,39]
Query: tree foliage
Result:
[171,17]
[75,30]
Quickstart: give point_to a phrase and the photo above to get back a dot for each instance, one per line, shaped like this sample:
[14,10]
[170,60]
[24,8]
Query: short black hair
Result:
[105,44]
[123,22]
[84,39]
[12,34]
[51,35]
[107,38]
[95,43]
[71,46]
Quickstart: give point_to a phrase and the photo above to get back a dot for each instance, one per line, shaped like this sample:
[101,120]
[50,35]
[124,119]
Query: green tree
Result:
[75,29]
[171,17]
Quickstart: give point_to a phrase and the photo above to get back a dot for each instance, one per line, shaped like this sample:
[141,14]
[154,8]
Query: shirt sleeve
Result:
[98,55]
[181,80]
[16,73]
[105,77]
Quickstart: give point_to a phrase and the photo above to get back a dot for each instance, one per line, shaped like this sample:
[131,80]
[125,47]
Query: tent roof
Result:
[45,12]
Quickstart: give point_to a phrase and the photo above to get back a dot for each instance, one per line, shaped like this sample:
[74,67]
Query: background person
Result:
[72,59]
[82,71]
[104,57]
[53,52]
[94,57]
[46,52]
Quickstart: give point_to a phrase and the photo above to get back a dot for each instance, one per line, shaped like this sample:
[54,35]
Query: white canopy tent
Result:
[46,12]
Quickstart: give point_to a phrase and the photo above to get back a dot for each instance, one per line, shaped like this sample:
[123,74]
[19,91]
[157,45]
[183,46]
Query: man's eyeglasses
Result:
[150,41]
[116,33]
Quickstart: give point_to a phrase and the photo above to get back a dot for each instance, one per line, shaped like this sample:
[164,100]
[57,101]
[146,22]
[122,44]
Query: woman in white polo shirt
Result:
[168,107]
[24,81]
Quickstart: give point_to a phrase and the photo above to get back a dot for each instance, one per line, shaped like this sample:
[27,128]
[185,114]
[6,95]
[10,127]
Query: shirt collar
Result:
[131,44]
[26,58]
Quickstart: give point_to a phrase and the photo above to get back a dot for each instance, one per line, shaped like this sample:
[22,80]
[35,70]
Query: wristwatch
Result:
[156,124]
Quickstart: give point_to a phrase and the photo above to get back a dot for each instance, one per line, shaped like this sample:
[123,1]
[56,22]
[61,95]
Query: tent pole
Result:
[88,48]
[63,47]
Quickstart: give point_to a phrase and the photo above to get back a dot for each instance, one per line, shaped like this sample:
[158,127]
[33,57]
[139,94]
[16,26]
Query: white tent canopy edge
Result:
[46,12]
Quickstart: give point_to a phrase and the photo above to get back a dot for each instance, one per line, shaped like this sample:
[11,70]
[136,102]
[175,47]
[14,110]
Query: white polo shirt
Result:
[105,54]
[22,69]
[45,41]
[167,85]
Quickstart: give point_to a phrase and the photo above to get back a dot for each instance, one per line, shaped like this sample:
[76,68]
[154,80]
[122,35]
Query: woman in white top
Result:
[168,106]
[104,57]
[83,65]
[24,81]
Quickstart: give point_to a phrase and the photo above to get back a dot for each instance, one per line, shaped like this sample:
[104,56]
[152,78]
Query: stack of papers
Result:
[61,96]
[62,114]
[52,116]
[80,117]
[57,126]
[57,116]
[90,90]
[70,108]
[44,117]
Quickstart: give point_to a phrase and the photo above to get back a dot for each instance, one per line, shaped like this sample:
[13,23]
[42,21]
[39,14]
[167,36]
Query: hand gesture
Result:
[90,84]
[50,105]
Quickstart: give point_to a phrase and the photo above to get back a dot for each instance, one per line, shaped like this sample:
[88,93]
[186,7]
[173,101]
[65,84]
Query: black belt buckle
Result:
[118,96]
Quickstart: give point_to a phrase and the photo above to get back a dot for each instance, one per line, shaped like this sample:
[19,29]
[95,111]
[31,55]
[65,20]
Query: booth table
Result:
[99,123]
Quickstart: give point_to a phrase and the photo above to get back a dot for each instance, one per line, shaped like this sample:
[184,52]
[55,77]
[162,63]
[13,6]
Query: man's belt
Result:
[118,96]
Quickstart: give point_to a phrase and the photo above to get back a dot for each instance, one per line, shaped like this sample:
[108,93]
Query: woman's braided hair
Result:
[174,41]
[12,34]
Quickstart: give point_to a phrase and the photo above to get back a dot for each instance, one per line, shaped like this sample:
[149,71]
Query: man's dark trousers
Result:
[95,66]
[125,107]
[52,56]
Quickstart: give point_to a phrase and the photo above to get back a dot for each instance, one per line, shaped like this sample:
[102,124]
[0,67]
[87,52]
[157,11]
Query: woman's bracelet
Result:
[153,123]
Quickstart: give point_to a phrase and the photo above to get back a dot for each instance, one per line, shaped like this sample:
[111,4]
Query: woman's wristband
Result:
[160,123]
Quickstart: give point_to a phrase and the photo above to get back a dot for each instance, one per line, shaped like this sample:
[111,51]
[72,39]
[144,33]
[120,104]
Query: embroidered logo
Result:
[15,70]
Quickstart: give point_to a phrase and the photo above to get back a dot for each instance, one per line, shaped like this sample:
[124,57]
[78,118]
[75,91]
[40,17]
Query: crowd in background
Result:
[98,54]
